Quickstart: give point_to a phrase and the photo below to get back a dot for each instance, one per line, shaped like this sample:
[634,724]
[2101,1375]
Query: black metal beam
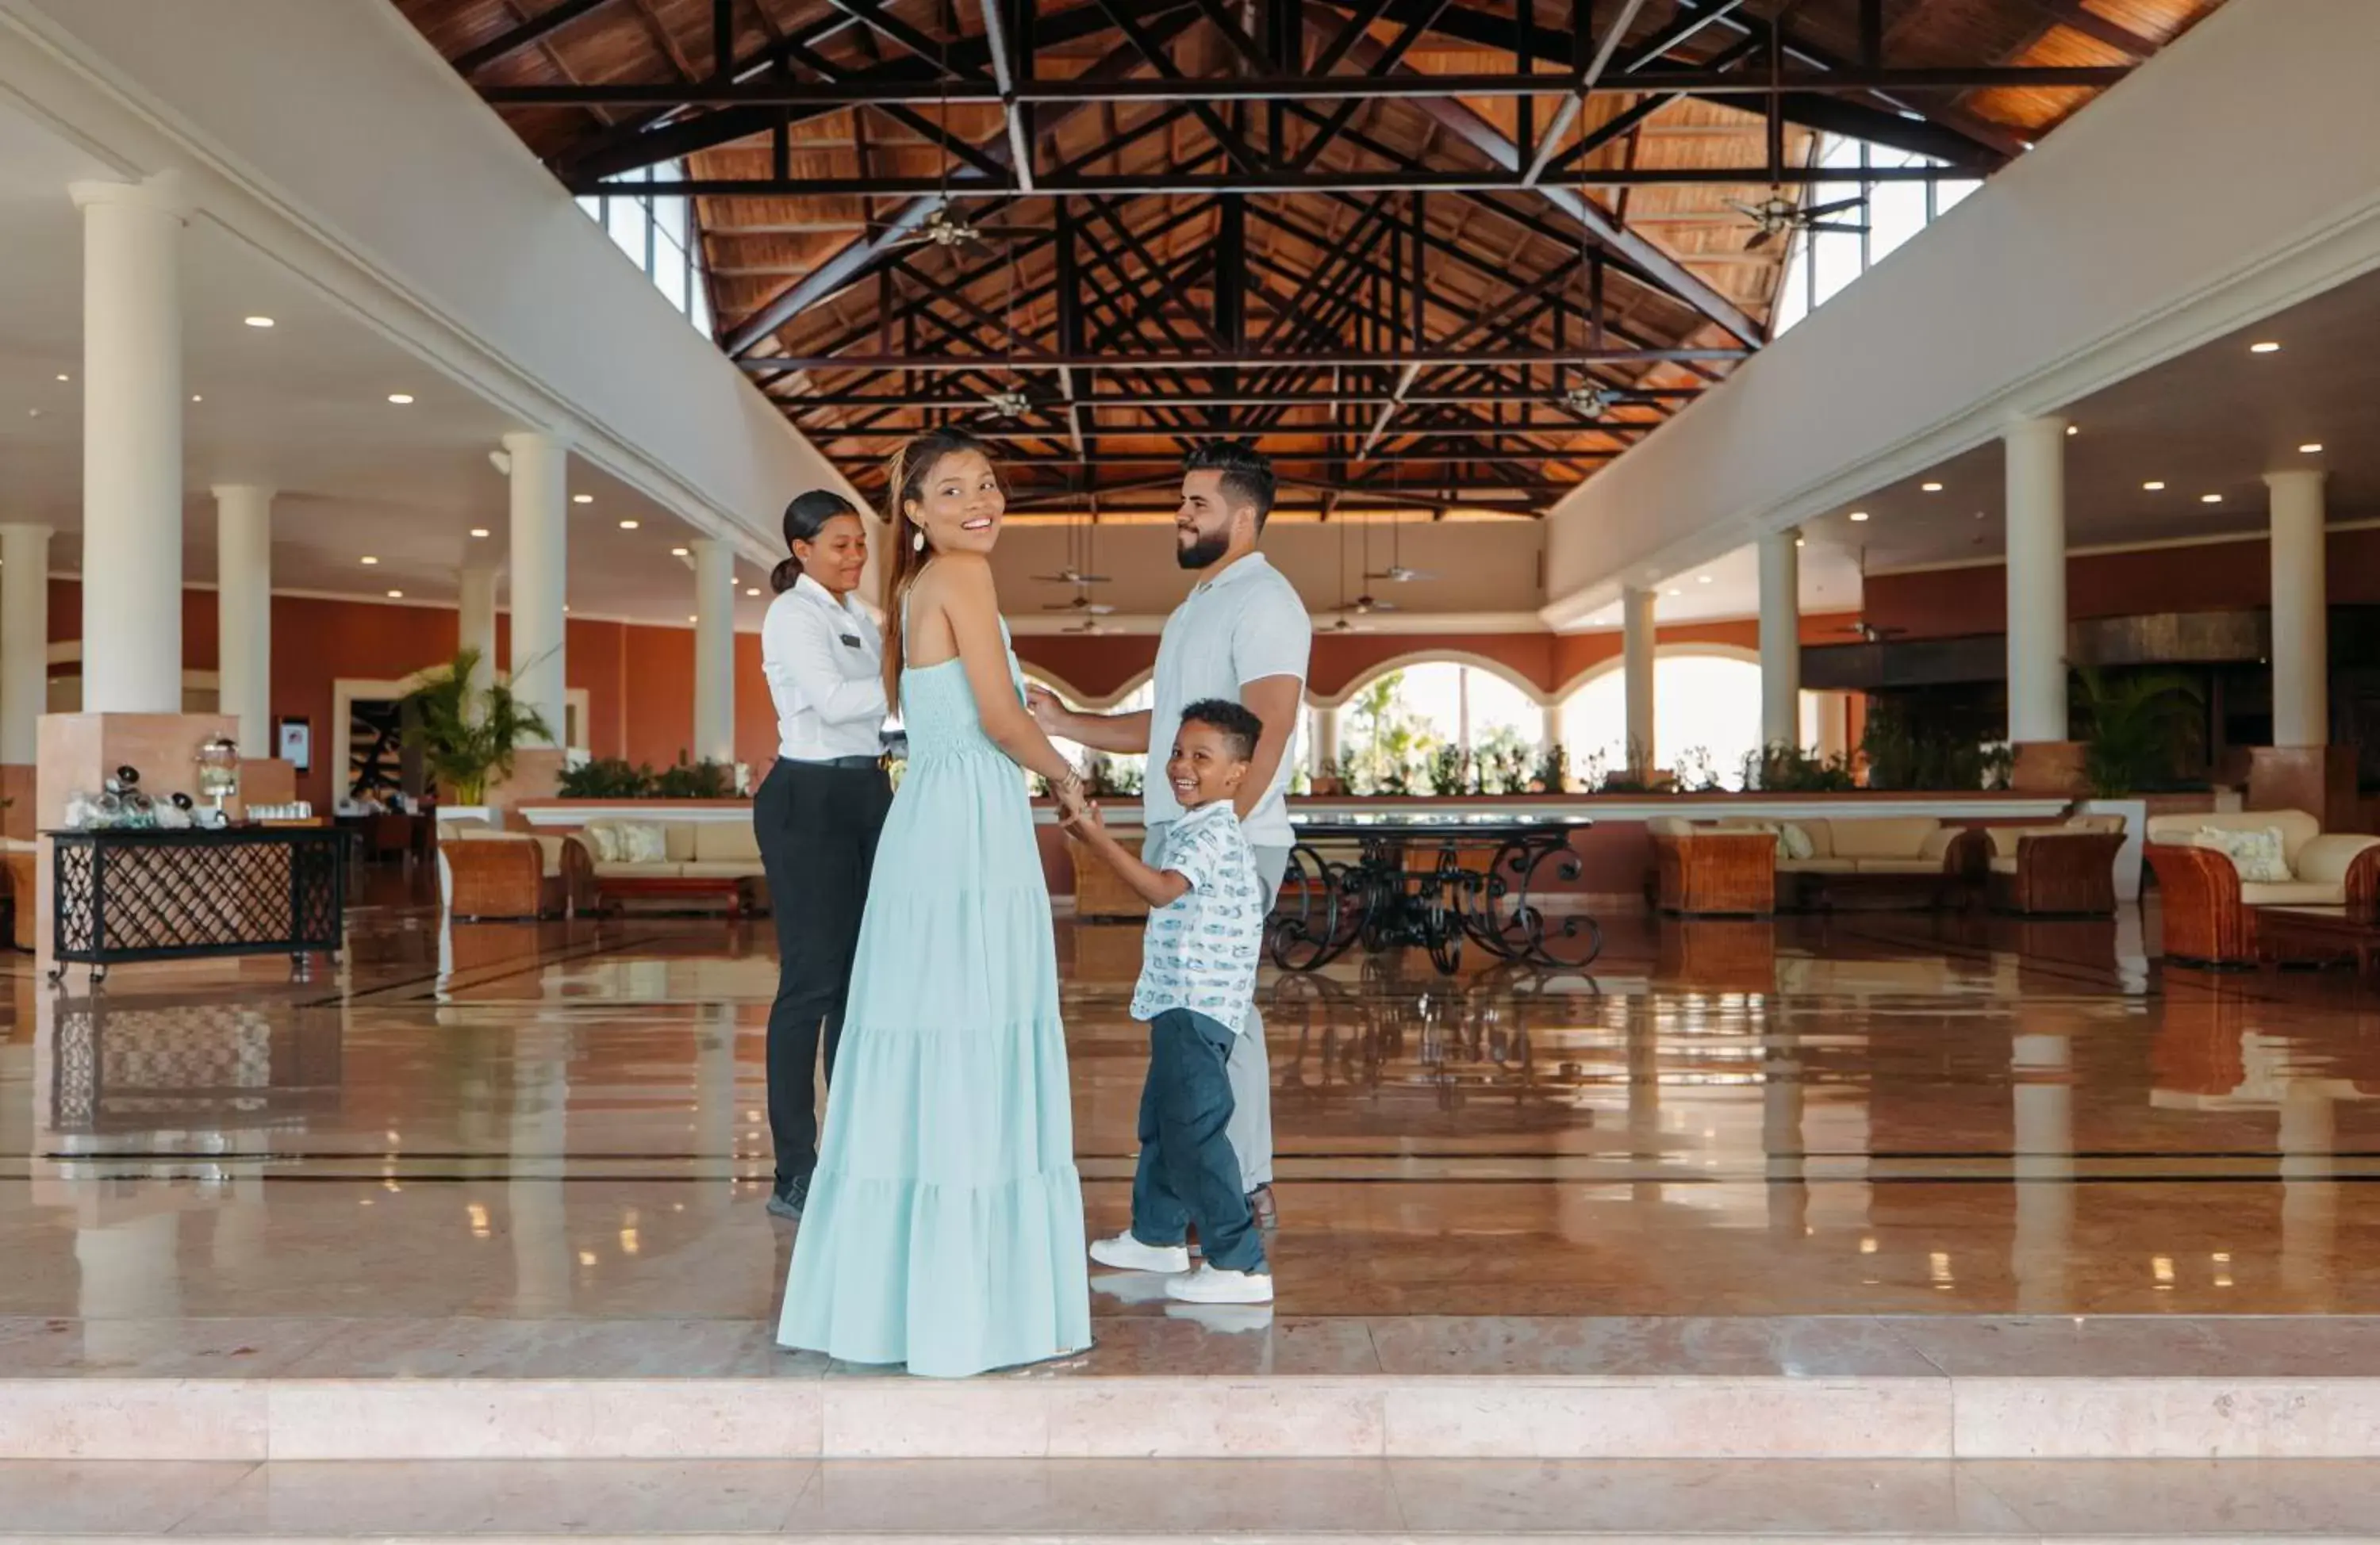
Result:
[506,45]
[1160,182]
[1140,364]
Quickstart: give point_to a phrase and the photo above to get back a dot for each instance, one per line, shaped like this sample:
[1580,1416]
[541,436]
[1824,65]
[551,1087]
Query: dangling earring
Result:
[918,543]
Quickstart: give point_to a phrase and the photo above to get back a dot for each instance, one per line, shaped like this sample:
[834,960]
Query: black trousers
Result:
[817,827]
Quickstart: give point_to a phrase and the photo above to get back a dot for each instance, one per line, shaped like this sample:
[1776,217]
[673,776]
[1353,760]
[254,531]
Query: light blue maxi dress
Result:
[945,1227]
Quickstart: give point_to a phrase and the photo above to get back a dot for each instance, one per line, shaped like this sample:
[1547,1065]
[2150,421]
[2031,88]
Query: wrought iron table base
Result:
[1379,902]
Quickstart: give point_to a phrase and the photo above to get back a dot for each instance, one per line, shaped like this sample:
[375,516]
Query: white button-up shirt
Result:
[1243,625]
[1200,950]
[824,659]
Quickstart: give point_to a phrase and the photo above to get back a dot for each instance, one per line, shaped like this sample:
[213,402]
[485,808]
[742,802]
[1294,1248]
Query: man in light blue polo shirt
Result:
[1242,635]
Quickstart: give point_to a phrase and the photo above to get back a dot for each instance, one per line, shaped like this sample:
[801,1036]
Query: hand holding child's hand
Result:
[1083,821]
[1043,704]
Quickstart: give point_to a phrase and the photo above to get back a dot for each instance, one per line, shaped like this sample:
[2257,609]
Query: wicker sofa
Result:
[2065,870]
[487,873]
[699,859]
[2210,912]
[1813,862]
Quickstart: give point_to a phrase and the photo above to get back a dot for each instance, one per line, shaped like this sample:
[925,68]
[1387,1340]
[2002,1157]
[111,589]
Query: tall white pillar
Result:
[1637,640]
[244,612]
[2300,611]
[1325,740]
[1781,640]
[715,652]
[540,567]
[24,641]
[131,447]
[2037,580]
[475,593]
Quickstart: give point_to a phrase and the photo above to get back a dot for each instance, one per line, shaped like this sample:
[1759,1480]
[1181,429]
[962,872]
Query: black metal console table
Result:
[1394,881]
[147,894]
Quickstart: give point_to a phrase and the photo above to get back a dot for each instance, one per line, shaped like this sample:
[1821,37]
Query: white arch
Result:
[1429,656]
[1046,677]
[1660,651]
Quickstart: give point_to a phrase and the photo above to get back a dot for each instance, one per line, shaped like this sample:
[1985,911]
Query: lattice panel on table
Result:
[133,895]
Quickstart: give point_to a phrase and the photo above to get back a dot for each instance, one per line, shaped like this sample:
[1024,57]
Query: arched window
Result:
[1706,718]
[1120,773]
[1397,730]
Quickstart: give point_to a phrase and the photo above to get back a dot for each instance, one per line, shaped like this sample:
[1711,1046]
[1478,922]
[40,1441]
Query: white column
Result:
[715,652]
[1636,642]
[2037,580]
[540,567]
[1555,727]
[475,592]
[1780,639]
[1325,739]
[1834,737]
[244,612]
[24,641]
[131,448]
[2300,611]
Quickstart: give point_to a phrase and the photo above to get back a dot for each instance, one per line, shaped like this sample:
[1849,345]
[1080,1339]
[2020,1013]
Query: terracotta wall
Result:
[1098,666]
[1953,603]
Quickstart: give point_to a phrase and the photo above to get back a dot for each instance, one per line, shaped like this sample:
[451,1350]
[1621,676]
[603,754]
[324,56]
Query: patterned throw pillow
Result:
[643,844]
[605,840]
[1793,842]
[2257,855]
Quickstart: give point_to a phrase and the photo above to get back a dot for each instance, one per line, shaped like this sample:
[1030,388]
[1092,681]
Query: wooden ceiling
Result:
[1390,239]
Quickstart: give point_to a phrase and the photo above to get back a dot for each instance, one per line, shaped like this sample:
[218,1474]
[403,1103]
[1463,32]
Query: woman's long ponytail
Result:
[904,484]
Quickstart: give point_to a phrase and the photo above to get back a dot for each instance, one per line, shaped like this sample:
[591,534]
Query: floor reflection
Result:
[561,1126]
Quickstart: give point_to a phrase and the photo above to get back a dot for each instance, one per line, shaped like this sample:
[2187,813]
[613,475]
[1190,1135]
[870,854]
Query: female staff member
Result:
[819,811]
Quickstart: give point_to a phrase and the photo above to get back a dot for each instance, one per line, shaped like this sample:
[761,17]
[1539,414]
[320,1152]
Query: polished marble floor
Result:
[541,1149]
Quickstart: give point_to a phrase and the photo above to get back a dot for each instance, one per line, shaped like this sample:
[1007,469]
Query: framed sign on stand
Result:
[294,740]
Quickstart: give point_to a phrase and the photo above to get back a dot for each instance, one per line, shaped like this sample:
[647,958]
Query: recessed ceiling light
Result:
[2311,449]
[2074,428]
[370,560]
[396,594]
[678,552]
[1801,541]
[1858,514]
[402,399]
[1675,591]
[63,376]
[258,321]
[582,499]
[751,590]
[2268,346]
[627,525]
[692,618]
[2210,498]
[1702,579]
[478,531]
[2153,486]
[1931,488]
[32,413]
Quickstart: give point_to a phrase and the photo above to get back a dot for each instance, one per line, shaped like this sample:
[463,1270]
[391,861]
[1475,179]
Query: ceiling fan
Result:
[1082,606]
[946,228]
[1870,633]
[1012,402]
[1776,215]
[1396,573]
[1593,400]
[1072,575]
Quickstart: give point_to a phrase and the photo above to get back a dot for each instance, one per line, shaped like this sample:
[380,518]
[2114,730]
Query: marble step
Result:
[1191,1417]
[1179,1503]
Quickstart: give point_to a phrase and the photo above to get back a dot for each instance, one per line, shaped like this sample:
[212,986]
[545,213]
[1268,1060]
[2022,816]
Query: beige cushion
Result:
[721,869]
[2293,893]
[456,829]
[2258,855]
[2005,838]
[2003,865]
[632,871]
[647,842]
[1670,825]
[1938,845]
[2326,858]
[1897,865]
[2296,827]
[549,855]
[725,842]
[602,840]
[2099,825]
[1816,865]
[1883,835]
[679,835]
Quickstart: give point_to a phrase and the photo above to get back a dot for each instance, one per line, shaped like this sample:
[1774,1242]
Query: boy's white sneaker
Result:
[1212,1284]
[1128,1254]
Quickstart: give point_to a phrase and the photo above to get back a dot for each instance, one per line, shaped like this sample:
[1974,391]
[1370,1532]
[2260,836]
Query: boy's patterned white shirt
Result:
[1201,949]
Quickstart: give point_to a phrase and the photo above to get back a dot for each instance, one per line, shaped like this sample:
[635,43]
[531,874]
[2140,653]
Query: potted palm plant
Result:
[468,734]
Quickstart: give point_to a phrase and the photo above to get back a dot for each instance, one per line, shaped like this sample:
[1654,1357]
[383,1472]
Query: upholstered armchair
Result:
[2210,911]
[2060,871]
[1703,872]
[484,872]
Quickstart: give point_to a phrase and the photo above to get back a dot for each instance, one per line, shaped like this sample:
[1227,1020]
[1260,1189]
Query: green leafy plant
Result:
[1901,754]
[1113,776]
[705,779]
[468,737]
[1553,772]
[1697,773]
[1449,772]
[1789,769]
[2136,726]
[608,777]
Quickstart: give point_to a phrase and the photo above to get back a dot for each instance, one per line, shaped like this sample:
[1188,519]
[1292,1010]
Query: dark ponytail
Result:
[805,518]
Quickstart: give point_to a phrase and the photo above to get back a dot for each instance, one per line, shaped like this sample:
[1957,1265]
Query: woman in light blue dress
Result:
[945,1224]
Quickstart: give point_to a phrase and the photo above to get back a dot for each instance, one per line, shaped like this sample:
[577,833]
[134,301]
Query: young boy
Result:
[1198,976]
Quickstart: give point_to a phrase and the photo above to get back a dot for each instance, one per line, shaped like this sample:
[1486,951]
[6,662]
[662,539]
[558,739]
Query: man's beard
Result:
[1203,549]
